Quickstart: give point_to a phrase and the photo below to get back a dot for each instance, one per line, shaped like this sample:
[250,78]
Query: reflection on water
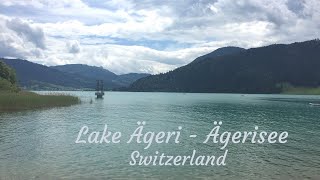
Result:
[40,144]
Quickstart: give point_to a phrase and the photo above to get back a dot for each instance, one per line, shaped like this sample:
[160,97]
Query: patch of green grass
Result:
[302,90]
[10,101]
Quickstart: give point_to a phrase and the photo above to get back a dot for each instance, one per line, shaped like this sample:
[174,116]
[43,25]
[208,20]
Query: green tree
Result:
[7,78]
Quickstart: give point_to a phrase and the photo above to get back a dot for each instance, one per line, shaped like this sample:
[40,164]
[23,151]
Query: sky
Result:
[147,36]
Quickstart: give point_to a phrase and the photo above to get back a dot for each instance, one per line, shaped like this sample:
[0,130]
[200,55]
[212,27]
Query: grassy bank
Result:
[302,91]
[10,101]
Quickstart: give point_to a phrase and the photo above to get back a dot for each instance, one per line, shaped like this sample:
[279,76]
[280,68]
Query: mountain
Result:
[256,70]
[35,76]
[89,72]
[219,52]
[66,77]
[93,72]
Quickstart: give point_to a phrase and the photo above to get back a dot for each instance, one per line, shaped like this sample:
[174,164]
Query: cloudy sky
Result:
[147,35]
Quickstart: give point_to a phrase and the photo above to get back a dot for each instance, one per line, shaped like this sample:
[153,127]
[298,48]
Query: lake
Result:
[41,144]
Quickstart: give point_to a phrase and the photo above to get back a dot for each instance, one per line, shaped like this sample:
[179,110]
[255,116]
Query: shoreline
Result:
[280,93]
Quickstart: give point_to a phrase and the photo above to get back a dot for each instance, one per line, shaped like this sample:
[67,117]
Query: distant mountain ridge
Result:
[67,77]
[86,71]
[256,70]
[94,72]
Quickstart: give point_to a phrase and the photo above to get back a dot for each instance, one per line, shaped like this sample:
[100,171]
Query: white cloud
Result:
[148,35]
[20,39]
[29,33]
[73,47]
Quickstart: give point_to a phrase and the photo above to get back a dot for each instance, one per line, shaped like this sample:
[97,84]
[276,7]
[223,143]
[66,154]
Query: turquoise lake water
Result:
[41,144]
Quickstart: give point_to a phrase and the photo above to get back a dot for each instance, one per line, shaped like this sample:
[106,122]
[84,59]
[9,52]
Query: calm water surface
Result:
[41,144]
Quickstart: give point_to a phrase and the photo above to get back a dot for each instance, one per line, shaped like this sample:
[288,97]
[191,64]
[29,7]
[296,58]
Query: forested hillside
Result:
[257,70]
